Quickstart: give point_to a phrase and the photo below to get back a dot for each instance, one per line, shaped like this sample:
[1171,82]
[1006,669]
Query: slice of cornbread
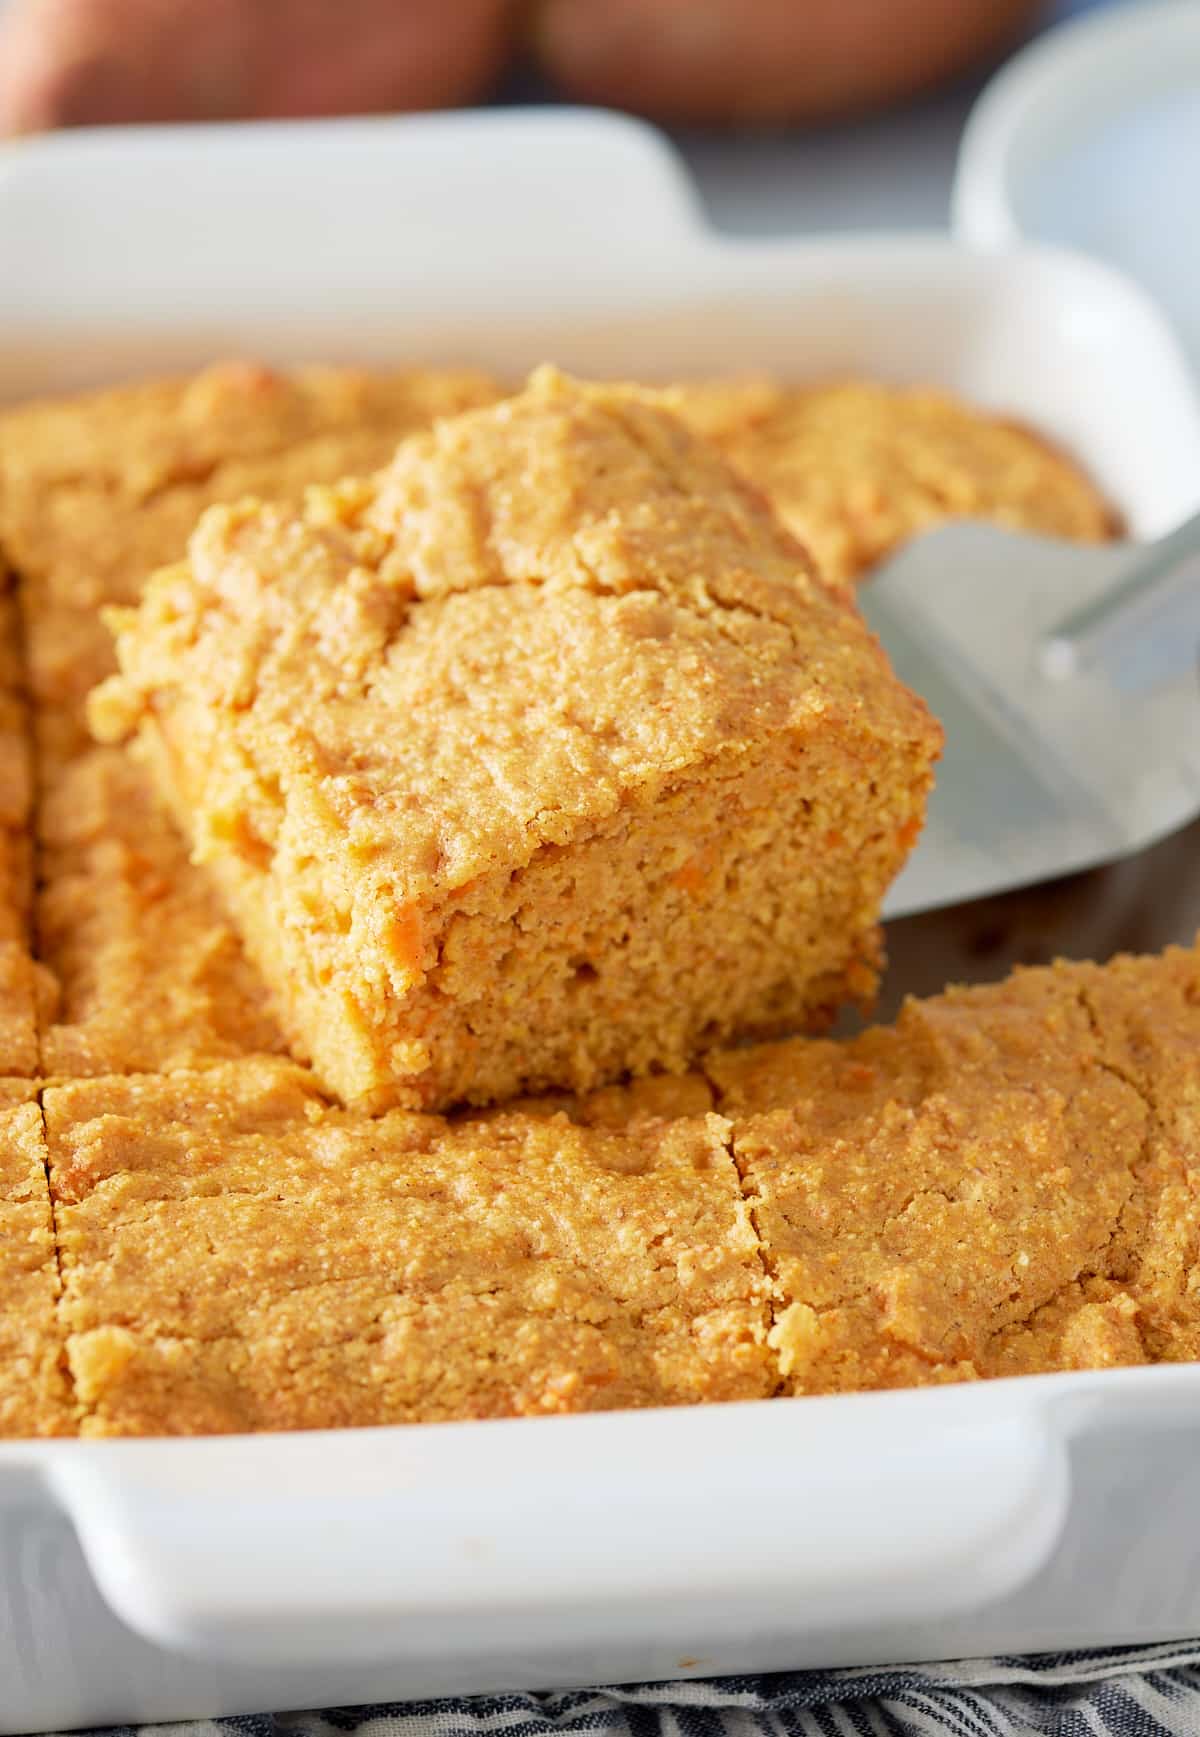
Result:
[237,1255]
[34,1395]
[1003,1183]
[538,758]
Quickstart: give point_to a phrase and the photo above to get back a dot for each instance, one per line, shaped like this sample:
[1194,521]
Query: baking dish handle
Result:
[649,1538]
[576,192]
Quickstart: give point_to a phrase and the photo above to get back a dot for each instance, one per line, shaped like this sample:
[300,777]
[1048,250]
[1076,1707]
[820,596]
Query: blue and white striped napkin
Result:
[1138,1692]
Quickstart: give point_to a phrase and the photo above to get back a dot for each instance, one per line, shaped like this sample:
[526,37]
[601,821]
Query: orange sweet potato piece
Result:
[766,60]
[88,62]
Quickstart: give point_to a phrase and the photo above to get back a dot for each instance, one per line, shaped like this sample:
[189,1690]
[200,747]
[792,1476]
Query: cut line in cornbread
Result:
[539,758]
[35,1397]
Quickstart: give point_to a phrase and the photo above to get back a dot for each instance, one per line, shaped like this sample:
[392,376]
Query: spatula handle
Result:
[1159,596]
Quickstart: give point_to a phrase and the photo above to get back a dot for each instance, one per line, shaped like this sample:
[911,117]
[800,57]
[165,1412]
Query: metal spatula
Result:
[1068,683]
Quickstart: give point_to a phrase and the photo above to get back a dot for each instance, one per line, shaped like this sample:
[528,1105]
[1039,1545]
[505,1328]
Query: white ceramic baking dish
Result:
[160,1580]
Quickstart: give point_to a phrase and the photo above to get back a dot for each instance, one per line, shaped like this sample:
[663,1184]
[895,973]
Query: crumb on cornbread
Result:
[1003,1183]
[538,758]
[237,1255]
[855,468]
[34,1394]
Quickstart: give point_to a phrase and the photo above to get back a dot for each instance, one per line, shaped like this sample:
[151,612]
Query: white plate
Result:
[1090,138]
[156,1580]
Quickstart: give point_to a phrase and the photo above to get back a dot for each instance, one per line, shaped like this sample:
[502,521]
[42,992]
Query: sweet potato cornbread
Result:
[538,758]
[237,1256]
[855,468]
[1005,1182]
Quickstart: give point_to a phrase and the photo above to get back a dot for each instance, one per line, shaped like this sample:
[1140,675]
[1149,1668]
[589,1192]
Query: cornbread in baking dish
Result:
[1002,1183]
[538,758]
[855,468]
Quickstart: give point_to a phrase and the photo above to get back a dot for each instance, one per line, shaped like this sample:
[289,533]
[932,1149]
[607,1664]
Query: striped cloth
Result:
[1143,1692]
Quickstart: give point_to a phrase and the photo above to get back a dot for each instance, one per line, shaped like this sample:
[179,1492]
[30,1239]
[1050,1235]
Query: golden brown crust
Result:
[98,490]
[138,441]
[406,814]
[855,468]
[237,1255]
[999,1184]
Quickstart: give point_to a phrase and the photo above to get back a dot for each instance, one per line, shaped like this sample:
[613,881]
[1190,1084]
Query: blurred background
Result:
[793,114]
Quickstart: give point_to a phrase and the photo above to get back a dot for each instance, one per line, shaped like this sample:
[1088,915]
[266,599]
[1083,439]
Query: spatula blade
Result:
[1040,776]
